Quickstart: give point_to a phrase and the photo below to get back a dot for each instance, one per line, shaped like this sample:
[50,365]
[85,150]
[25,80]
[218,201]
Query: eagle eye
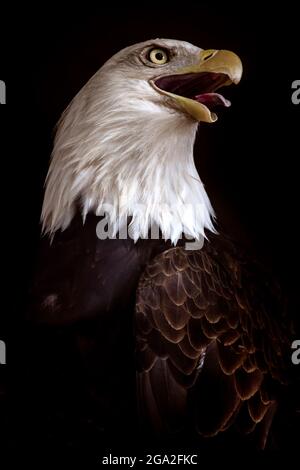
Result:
[158,56]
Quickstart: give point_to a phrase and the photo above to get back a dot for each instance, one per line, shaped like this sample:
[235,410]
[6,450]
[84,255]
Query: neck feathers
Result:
[127,158]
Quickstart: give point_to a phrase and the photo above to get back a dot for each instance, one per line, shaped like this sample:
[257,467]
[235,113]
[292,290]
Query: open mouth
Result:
[200,87]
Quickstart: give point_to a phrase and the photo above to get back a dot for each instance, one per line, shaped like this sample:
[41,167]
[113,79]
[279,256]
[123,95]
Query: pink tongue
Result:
[212,99]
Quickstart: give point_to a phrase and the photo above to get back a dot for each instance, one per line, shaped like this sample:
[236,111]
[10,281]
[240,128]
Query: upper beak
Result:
[222,62]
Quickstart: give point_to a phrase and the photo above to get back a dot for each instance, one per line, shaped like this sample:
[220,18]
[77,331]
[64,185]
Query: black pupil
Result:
[159,56]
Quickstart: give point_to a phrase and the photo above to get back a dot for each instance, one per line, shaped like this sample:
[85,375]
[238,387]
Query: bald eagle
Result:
[148,334]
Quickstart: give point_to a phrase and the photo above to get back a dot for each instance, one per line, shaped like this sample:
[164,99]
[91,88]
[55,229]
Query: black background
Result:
[247,160]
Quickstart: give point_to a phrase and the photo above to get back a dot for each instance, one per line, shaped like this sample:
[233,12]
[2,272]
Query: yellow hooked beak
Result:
[225,68]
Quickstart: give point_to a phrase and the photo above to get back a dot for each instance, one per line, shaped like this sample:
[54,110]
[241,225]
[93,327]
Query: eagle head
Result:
[124,145]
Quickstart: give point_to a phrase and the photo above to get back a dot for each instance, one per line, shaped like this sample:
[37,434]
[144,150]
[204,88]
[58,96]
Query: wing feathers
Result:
[210,342]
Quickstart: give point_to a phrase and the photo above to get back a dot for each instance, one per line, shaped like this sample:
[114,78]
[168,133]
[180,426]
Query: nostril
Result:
[208,56]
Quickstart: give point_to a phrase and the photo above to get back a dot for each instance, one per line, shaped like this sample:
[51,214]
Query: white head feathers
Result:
[120,148]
